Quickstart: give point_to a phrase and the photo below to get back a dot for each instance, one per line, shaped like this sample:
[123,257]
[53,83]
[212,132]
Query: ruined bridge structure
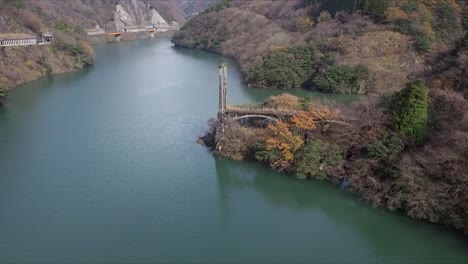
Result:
[227,114]
[253,115]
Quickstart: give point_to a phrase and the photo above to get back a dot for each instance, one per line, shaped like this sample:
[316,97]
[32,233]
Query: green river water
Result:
[101,165]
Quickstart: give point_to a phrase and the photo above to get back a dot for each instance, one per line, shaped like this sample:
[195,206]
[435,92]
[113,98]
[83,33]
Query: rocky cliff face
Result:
[31,16]
[67,21]
[136,13]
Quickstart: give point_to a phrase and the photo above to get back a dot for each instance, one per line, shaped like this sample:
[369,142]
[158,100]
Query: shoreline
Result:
[47,52]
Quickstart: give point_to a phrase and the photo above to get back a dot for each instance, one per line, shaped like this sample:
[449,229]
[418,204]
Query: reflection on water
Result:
[101,165]
[256,95]
[375,228]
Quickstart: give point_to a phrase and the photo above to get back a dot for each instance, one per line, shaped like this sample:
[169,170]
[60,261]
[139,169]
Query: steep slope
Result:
[109,14]
[392,43]
[193,7]
[67,21]
[132,13]
[406,151]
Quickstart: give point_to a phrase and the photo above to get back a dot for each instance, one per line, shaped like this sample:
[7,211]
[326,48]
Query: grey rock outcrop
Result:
[131,13]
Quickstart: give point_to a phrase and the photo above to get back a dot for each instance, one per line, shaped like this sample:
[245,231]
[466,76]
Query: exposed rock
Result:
[136,13]
[157,19]
[207,140]
[67,21]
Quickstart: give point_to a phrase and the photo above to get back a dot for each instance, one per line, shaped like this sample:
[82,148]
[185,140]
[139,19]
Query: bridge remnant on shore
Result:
[227,114]
[252,115]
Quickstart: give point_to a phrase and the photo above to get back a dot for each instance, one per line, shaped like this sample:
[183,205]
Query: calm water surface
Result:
[102,166]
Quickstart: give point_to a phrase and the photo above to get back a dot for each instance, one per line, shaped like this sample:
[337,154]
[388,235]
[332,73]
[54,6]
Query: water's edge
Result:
[101,165]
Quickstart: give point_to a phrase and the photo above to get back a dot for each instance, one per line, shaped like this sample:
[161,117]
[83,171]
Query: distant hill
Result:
[392,38]
[88,13]
[405,146]
[67,21]
[193,7]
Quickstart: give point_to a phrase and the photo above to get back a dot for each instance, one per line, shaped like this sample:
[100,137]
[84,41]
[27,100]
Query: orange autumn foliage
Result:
[303,121]
[282,143]
[320,111]
[285,100]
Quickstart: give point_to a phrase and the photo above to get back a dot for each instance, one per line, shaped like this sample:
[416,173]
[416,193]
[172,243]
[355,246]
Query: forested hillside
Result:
[405,150]
[392,39]
[67,22]
[193,7]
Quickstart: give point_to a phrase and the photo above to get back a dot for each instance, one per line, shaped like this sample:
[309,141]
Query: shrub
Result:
[47,67]
[29,64]
[211,40]
[447,24]
[394,14]
[78,29]
[374,8]
[238,141]
[82,51]
[404,25]
[220,37]
[284,100]
[388,147]
[388,172]
[3,90]
[303,24]
[410,110]
[465,18]
[284,68]
[18,4]
[426,20]
[342,79]
[314,157]
[63,26]
[32,21]
[87,52]
[69,48]
[214,7]
[217,6]
[323,17]
[278,146]
[423,43]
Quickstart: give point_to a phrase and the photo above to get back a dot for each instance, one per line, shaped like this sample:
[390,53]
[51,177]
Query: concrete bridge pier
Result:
[222,87]
[245,116]
[222,104]
[220,131]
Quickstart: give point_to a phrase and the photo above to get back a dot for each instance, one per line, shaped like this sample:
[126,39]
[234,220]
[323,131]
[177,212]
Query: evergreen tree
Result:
[375,8]
[410,110]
